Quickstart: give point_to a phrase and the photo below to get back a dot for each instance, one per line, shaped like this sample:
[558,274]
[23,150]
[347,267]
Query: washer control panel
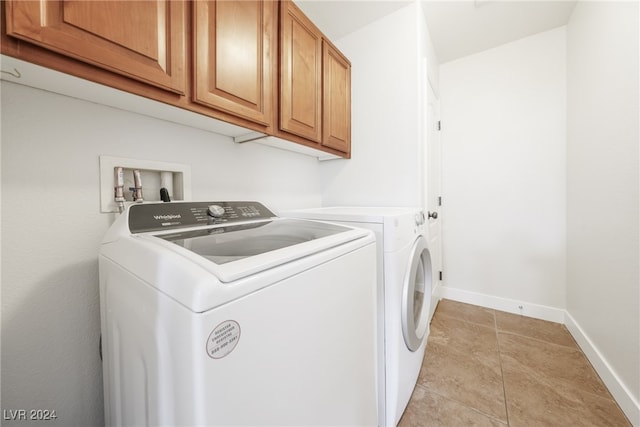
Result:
[165,216]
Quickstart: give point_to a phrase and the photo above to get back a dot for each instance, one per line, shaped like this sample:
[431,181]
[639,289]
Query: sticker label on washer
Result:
[223,339]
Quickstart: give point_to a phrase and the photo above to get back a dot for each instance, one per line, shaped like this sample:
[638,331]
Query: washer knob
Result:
[215,211]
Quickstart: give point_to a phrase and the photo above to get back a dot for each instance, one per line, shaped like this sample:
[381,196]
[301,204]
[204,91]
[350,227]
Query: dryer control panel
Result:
[166,216]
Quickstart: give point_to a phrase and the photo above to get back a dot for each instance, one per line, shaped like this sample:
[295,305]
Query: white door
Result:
[434,190]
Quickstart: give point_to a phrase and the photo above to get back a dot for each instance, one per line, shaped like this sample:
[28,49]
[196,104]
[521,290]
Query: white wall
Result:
[52,227]
[504,128]
[386,147]
[603,280]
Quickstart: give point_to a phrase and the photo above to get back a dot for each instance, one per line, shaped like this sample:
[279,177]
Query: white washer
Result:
[221,313]
[404,296]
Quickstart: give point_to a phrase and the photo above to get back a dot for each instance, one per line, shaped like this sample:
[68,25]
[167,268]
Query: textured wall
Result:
[52,228]
[603,279]
[386,143]
[504,159]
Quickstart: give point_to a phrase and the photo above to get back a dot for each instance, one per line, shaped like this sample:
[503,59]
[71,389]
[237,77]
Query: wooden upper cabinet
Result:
[336,103]
[235,57]
[144,40]
[262,65]
[300,74]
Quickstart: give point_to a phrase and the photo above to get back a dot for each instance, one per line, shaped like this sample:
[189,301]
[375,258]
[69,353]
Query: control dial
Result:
[215,211]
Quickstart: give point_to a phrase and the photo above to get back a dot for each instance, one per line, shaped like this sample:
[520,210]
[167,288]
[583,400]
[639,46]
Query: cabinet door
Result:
[144,40]
[234,42]
[336,117]
[300,74]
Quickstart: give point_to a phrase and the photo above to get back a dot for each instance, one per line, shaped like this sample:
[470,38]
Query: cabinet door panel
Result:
[234,57]
[300,75]
[336,100]
[144,40]
[129,25]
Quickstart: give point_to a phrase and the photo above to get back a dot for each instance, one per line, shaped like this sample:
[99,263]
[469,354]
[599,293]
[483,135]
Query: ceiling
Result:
[457,28]
[337,18]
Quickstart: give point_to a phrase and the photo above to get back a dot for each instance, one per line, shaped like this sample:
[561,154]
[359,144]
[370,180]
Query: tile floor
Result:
[484,367]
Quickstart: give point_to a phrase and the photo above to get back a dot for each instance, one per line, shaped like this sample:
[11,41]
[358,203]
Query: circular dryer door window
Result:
[416,295]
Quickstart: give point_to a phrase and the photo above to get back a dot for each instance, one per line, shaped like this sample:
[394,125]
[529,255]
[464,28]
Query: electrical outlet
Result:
[154,175]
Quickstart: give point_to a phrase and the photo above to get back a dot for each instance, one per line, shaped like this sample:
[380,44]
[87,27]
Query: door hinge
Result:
[439,200]
[440,275]
[439,126]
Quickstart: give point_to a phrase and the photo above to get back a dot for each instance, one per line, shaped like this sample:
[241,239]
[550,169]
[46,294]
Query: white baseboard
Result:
[629,405]
[528,309]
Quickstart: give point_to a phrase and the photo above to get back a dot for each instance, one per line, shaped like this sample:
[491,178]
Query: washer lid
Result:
[206,262]
[222,245]
[236,251]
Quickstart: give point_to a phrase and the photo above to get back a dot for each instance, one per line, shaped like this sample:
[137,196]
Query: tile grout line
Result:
[471,408]
[540,340]
[577,350]
[469,321]
[504,387]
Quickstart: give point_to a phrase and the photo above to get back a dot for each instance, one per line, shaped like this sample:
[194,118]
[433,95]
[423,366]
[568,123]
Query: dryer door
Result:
[416,295]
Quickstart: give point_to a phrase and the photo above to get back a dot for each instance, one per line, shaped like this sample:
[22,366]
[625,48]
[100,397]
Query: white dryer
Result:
[404,292]
[222,314]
